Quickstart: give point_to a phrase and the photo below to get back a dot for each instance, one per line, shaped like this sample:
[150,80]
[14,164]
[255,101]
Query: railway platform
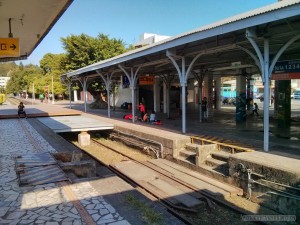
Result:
[170,130]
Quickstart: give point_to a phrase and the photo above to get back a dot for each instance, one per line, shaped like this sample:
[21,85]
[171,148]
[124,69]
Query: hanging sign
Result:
[146,80]
[9,47]
[286,70]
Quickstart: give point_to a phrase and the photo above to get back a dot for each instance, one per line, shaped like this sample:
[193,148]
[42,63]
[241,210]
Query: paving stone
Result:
[92,211]
[3,211]
[52,208]
[103,211]
[74,211]
[96,217]
[26,221]
[77,222]
[105,221]
[91,206]
[52,223]
[122,222]
[58,216]
[106,217]
[72,215]
[99,206]
[15,215]
[110,209]
[66,223]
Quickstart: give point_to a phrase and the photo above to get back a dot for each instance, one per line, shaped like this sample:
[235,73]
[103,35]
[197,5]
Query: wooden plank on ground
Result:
[176,193]
[150,180]
[180,173]
[227,187]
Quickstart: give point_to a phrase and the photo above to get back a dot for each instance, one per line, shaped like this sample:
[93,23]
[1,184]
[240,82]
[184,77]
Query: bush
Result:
[2,99]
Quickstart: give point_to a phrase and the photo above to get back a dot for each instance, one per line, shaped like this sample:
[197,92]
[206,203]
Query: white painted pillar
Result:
[218,91]
[165,97]
[132,87]
[85,91]
[75,96]
[156,94]
[70,97]
[210,96]
[266,94]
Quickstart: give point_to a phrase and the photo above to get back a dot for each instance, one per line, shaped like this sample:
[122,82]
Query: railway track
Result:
[209,201]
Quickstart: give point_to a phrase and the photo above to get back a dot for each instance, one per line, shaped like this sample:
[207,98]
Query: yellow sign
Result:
[9,47]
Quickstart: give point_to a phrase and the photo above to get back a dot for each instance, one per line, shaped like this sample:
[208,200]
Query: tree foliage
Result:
[22,77]
[5,68]
[53,66]
[84,50]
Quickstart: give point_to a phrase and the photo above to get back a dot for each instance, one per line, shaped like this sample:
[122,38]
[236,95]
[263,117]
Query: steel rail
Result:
[206,195]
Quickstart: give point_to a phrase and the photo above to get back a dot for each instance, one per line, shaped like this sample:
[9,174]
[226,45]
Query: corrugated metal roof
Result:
[150,49]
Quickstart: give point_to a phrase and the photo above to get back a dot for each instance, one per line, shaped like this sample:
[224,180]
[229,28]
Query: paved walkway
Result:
[42,204]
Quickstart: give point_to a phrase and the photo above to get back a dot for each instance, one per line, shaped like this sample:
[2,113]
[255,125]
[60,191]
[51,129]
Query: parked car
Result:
[260,97]
[297,94]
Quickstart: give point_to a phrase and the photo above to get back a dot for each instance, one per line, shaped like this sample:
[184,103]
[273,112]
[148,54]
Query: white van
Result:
[297,94]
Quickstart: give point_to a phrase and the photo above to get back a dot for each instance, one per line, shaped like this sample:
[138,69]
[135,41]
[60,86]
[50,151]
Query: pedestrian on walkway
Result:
[41,97]
[255,109]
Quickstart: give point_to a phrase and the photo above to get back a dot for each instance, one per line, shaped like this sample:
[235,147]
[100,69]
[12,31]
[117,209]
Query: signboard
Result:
[9,47]
[146,80]
[285,76]
[292,66]
[286,70]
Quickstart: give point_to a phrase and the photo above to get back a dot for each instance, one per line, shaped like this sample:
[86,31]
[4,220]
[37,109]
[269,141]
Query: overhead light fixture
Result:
[10,34]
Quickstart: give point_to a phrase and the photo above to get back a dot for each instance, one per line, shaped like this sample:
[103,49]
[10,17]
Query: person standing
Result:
[204,109]
[142,110]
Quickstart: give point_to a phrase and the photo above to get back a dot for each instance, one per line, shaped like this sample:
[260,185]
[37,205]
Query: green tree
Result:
[5,68]
[52,66]
[84,50]
[22,77]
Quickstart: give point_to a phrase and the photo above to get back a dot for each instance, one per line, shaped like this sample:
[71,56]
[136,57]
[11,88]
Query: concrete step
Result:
[215,162]
[185,156]
[218,165]
[204,169]
[221,155]
[191,147]
[187,153]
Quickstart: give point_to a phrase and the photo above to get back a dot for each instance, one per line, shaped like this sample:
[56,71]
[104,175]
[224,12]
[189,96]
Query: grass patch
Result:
[148,214]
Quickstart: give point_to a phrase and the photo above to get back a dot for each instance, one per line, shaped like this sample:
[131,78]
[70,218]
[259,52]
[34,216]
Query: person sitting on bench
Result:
[21,110]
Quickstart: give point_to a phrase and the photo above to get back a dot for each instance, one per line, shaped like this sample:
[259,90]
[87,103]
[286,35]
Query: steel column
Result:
[266,94]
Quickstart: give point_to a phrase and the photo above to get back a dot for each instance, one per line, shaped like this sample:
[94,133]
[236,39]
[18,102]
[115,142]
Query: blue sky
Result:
[128,19]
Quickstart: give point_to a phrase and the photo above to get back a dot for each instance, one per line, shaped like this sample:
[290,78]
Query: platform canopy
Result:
[24,24]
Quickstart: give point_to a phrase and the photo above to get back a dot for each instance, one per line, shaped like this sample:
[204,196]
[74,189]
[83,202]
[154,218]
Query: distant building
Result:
[147,39]
[3,81]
